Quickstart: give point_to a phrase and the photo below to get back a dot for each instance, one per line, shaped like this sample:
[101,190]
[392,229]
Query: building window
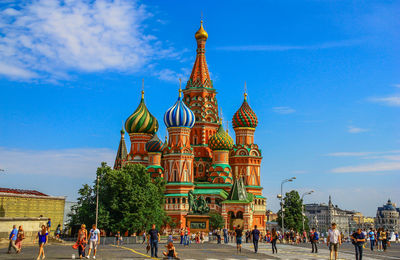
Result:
[173,201]
[183,200]
[208,200]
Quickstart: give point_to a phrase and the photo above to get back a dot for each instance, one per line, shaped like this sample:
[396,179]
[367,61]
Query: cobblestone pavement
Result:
[209,251]
[303,251]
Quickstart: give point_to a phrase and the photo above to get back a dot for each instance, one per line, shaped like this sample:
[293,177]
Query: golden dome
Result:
[201,33]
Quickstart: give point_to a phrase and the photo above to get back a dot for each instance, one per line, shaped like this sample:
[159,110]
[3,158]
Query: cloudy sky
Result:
[322,76]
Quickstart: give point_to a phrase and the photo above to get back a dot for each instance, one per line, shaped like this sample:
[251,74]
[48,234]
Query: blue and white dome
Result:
[179,115]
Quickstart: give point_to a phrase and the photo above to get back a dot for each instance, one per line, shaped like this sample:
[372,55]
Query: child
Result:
[171,253]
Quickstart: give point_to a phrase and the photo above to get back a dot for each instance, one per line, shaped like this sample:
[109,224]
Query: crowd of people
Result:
[378,239]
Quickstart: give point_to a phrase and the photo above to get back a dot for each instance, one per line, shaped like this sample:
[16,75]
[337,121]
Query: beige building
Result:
[19,204]
[388,217]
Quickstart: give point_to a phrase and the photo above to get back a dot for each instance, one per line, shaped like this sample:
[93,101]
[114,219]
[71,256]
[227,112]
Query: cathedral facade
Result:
[199,155]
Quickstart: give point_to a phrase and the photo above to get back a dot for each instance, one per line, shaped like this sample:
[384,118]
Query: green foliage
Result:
[128,200]
[293,218]
[216,221]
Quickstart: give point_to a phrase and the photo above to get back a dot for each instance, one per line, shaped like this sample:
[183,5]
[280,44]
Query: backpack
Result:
[316,237]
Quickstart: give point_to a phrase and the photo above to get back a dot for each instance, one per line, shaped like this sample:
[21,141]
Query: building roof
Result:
[22,192]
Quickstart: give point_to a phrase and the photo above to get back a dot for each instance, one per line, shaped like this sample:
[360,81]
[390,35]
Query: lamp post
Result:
[281,197]
[302,204]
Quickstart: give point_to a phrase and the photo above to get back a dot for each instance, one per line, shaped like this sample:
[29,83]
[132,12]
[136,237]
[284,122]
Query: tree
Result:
[216,221]
[293,218]
[128,200]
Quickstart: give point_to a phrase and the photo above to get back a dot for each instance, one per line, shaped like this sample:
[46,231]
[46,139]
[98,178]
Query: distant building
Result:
[15,203]
[321,216]
[271,216]
[387,217]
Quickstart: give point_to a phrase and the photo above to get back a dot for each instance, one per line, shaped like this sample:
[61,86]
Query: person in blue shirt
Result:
[314,237]
[225,232]
[256,237]
[153,239]
[358,239]
[371,235]
[13,239]
[42,236]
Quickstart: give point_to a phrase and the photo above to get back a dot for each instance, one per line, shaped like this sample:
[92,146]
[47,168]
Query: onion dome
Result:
[141,121]
[221,140]
[245,116]
[201,33]
[154,145]
[179,115]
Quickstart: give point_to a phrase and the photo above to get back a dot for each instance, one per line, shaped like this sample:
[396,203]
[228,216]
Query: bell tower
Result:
[200,97]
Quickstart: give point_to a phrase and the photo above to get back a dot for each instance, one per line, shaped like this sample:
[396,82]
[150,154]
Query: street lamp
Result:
[302,204]
[281,197]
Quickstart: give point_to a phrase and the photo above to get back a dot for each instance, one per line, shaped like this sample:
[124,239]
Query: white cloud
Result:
[66,162]
[393,101]
[173,76]
[50,37]
[356,130]
[383,161]
[326,45]
[283,110]
[373,167]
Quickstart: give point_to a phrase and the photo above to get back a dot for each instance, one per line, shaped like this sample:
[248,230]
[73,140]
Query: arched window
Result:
[208,200]
[177,200]
[173,201]
[201,168]
[184,200]
[239,214]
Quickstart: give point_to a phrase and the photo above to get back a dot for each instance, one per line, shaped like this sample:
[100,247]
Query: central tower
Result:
[200,97]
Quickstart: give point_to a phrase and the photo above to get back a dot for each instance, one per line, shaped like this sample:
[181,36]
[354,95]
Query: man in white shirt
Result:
[94,240]
[334,240]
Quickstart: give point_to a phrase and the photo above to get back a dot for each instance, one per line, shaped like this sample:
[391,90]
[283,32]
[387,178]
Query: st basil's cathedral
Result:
[199,155]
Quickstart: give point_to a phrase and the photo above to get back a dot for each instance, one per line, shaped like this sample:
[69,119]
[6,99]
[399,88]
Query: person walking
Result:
[239,234]
[20,237]
[43,238]
[153,239]
[371,235]
[48,225]
[144,237]
[314,237]
[384,236]
[225,233]
[218,233]
[58,231]
[82,241]
[186,237]
[379,239]
[13,238]
[94,240]
[182,235]
[358,239]
[333,241]
[256,237]
[274,238]
[118,238]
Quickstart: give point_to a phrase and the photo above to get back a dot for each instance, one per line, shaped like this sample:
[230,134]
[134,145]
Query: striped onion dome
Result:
[245,116]
[179,115]
[221,140]
[141,121]
[154,144]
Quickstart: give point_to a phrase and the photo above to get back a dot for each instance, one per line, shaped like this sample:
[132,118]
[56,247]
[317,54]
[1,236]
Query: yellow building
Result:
[31,204]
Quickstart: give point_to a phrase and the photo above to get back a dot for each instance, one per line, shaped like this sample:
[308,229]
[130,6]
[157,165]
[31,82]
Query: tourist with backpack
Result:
[314,237]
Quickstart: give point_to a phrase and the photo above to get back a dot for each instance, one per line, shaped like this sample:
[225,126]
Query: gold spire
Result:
[142,88]
[180,88]
[201,33]
[245,91]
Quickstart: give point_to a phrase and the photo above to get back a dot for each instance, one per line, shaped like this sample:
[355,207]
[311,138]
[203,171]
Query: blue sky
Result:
[322,76]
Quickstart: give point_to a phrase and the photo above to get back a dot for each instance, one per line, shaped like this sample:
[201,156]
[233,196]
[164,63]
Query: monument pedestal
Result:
[198,223]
